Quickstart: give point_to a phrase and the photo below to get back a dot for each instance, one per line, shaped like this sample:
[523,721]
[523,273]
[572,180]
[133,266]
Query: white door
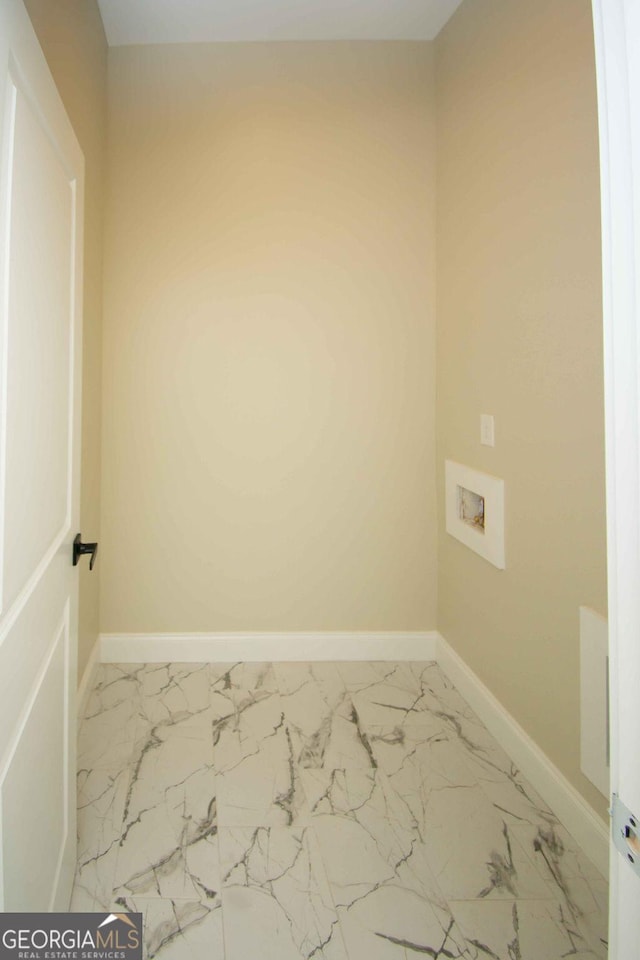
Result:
[617,37]
[41,217]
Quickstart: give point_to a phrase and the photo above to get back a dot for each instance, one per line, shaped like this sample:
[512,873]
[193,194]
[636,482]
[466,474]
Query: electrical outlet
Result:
[487,430]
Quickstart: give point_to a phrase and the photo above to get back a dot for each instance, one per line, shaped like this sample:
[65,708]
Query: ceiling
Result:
[189,21]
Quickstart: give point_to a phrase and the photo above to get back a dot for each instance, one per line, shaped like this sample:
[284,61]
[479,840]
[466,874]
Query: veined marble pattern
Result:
[334,811]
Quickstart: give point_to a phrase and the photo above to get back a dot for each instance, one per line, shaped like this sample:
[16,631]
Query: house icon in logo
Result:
[120,932]
[117,916]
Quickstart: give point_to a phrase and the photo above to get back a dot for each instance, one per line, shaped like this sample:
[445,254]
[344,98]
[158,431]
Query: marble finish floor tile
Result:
[170,851]
[573,881]
[258,781]
[175,695]
[108,727]
[345,811]
[167,846]
[388,901]
[523,929]
[275,875]
[473,852]
[178,929]
[391,923]
[101,802]
[106,741]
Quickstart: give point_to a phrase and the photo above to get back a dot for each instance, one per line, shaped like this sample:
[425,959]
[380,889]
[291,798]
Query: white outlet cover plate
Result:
[487,430]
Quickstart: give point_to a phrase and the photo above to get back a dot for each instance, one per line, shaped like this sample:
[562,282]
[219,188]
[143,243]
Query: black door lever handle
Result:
[80,548]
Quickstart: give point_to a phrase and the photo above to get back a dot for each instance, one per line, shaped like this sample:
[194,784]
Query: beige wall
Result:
[519,336]
[269,339]
[73,40]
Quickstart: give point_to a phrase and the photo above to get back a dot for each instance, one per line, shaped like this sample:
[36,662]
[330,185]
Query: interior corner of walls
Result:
[88,679]
[573,811]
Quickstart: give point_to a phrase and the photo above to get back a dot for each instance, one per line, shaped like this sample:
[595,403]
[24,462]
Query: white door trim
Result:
[617,45]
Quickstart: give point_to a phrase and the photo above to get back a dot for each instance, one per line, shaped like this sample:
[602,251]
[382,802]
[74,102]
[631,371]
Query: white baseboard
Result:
[232,647]
[88,681]
[572,810]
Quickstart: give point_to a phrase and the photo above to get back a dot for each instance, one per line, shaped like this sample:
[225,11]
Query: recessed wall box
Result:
[475,511]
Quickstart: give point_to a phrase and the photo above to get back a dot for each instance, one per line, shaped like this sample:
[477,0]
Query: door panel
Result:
[36,435]
[43,746]
[41,211]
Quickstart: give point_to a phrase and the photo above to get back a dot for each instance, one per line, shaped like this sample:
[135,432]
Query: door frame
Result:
[617,48]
